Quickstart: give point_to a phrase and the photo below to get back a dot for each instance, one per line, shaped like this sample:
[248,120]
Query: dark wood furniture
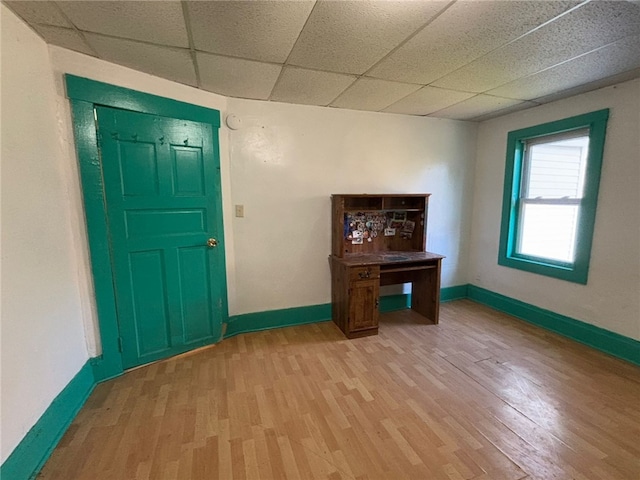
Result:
[380,240]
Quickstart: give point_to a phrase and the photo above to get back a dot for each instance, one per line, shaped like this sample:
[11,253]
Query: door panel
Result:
[141,224]
[139,168]
[188,168]
[149,294]
[195,294]
[162,190]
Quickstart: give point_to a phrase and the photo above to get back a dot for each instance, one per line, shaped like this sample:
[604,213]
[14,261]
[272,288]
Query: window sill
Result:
[570,273]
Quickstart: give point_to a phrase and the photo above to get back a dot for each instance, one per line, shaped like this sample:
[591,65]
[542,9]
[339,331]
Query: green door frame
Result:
[84,96]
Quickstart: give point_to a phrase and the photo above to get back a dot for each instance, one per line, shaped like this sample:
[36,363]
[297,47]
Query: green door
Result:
[162,188]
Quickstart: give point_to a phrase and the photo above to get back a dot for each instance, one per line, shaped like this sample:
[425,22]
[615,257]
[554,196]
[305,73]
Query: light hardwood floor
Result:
[479,396]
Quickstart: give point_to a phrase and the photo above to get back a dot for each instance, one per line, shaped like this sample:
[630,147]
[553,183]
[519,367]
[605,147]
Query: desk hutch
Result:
[380,240]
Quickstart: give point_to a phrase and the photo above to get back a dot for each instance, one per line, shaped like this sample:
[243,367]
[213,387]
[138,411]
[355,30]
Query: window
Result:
[550,193]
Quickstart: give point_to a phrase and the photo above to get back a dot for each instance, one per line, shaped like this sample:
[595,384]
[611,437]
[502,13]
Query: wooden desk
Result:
[356,281]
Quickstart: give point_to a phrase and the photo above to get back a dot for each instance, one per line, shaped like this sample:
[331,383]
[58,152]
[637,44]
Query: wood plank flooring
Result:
[479,396]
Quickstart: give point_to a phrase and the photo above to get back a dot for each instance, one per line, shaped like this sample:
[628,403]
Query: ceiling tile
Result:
[461,34]
[505,111]
[351,36]
[373,94]
[616,58]
[476,106]
[64,37]
[46,13]
[588,87]
[427,100]
[236,77]
[166,62]
[256,30]
[509,50]
[591,26]
[310,87]
[161,23]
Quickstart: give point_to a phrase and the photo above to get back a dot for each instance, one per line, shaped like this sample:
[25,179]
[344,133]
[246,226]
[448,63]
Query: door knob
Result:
[212,242]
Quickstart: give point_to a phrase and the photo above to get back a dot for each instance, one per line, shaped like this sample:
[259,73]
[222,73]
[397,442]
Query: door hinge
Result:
[120,344]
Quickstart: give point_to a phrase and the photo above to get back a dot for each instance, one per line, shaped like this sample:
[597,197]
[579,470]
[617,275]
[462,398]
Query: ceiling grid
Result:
[460,59]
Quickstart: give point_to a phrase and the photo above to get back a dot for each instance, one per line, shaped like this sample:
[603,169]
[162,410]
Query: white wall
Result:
[286,161]
[43,344]
[611,298]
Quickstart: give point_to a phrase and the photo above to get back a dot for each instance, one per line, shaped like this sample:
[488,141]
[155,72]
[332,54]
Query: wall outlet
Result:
[239,210]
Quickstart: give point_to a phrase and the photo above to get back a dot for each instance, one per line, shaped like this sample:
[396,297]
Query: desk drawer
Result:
[357,274]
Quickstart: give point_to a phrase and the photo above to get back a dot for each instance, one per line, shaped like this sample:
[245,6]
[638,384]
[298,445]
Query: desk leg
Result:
[425,294]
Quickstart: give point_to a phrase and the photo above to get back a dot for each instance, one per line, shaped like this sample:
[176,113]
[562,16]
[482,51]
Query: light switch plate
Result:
[239,210]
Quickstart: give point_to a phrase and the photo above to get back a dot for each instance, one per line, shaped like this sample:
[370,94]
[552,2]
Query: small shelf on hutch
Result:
[362,203]
[394,222]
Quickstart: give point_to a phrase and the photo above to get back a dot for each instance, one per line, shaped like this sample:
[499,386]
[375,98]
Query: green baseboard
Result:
[33,451]
[288,317]
[612,343]
[391,303]
[449,294]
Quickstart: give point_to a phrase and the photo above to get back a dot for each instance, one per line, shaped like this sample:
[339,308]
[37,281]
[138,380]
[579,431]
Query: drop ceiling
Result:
[465,59]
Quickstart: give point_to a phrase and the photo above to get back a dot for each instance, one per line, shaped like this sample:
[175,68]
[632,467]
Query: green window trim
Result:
[577,271]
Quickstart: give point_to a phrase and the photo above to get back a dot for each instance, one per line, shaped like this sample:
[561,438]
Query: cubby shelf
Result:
[414,206]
